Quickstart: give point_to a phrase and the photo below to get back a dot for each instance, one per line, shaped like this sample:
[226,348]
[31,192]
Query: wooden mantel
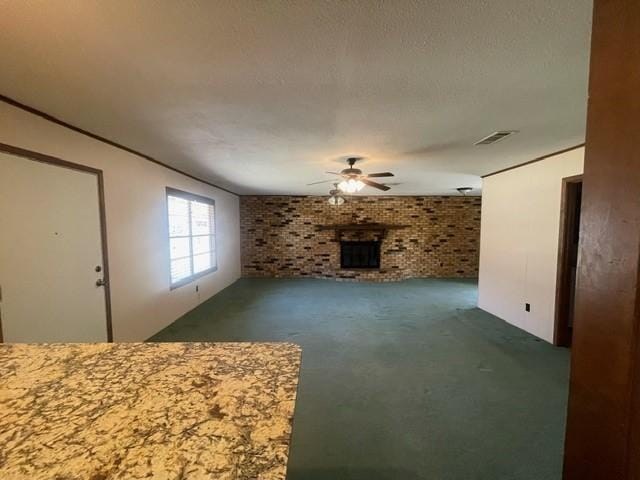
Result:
[351,227]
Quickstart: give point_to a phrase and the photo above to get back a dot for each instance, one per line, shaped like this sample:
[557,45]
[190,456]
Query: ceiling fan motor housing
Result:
[351,171]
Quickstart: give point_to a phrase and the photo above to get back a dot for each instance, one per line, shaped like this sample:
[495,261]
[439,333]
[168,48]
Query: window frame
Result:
[174,192]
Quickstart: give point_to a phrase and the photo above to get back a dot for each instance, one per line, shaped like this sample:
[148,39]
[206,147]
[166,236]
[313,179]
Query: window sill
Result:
[188,280]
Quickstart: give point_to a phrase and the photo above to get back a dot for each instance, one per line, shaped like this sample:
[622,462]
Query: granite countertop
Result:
[146,410]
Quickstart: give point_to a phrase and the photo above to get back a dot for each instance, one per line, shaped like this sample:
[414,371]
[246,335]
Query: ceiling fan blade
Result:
[321,181]
[381,174]
[335,173]
[379,186]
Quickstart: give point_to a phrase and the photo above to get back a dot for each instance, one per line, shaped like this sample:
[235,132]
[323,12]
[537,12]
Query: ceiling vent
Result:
[495,137]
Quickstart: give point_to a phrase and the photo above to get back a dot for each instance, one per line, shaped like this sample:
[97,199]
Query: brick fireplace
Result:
[294,236]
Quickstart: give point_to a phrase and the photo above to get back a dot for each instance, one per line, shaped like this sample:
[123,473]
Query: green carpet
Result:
[401,381]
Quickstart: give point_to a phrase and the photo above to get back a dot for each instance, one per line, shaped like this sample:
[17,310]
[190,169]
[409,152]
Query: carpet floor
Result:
[401,381]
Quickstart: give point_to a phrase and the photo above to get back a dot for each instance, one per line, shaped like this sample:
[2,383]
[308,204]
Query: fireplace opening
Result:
[360,254]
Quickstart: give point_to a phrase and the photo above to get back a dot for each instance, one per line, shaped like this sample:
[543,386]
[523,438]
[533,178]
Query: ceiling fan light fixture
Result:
[336,200]
[351,186]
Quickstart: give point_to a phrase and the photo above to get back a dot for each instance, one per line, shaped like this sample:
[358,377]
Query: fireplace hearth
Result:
[359,254]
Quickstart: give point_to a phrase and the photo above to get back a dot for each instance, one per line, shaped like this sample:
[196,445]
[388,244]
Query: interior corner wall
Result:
[137,231]
[519,241]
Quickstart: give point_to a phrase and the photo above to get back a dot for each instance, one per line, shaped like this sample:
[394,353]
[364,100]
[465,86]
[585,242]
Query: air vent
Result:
[495,137]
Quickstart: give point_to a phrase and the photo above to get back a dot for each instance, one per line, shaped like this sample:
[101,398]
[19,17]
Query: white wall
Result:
[519,241]
[141,300]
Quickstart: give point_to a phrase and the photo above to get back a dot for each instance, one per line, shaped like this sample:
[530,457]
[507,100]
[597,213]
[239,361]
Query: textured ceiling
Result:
[264,96]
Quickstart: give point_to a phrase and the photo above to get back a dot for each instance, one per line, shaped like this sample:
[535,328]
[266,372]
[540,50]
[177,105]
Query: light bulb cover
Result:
[351,186]
[335,200]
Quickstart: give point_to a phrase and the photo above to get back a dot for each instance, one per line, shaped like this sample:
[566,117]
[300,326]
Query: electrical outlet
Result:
[527,307]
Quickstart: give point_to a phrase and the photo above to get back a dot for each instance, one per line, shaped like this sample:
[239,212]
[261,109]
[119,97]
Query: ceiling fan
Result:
[353,180]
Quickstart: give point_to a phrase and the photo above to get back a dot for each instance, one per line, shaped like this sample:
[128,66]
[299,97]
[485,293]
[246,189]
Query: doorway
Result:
[568,259]
[53,264]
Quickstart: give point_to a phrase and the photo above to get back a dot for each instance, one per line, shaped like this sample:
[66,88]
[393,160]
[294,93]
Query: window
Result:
[192,246]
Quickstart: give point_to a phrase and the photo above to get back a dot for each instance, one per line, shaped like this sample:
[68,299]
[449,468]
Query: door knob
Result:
[100,282]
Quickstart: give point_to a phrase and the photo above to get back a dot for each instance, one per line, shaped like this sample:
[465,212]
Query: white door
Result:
[50,249]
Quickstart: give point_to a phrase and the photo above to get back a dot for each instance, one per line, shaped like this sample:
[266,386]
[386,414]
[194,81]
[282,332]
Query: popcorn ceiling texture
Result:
[260,96]
[280,236]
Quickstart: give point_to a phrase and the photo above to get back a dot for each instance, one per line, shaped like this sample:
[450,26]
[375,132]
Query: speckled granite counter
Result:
[146,410]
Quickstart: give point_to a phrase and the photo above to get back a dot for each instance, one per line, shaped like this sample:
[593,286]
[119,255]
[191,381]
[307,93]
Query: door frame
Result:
[563,293]
[40,157]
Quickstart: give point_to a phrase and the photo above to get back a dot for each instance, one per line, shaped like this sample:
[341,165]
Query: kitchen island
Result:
[147,410]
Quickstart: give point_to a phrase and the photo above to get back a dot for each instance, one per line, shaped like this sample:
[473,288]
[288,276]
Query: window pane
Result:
[201,244]
[179,247]
[180,269]
[178,216]
[201,221]
[201,262]
[178,205]
[178,226]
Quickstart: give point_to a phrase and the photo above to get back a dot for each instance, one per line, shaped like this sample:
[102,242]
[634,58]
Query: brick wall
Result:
[280,236]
